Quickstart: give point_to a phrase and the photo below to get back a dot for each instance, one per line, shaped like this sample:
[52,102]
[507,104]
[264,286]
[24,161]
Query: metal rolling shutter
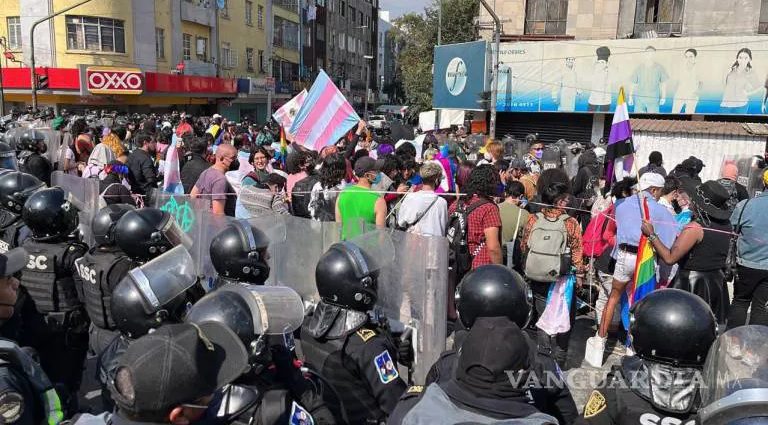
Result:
[551,127]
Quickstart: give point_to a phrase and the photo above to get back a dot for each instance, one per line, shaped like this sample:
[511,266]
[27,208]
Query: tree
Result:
[415,36]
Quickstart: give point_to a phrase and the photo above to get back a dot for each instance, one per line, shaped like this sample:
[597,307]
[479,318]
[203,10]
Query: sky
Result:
[398,8]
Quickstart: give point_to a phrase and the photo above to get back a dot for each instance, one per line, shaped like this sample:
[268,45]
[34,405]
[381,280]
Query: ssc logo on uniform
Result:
[37,262]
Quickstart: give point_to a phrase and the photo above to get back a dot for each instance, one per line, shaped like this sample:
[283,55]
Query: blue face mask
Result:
[523,202]
[376,179]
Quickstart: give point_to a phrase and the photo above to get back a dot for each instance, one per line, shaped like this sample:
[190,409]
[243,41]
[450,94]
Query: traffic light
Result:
[42,82]
[484,99]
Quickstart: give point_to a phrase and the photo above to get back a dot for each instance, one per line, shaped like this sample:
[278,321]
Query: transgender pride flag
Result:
[324,117]
[620,150]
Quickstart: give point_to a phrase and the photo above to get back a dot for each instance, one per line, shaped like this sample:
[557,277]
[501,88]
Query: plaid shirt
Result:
[573,229]
[481,218]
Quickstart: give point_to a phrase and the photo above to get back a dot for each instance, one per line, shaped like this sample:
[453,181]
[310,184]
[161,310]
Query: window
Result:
[225,8]
[160,43]
[261,61]
[228,56]
[201,48]
[763,25]
[248,13]
[14,32]
[343,8]
[95,34]
[361,18]
[187,46]
[286,34]
[352,14]
[260,17]
[546,16]
[664,17]
[351,44]
[307,37]
[249,59]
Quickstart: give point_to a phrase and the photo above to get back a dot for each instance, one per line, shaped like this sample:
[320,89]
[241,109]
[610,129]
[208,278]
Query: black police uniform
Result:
[361,367]
[555,401]
[62,337]
[26,395]
[625,397]
[100,270]
[37,165]
[13,231]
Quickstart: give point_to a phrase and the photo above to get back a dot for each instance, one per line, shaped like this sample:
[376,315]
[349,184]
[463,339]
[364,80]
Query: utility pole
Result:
[368,60]
[301,45]
[33,76]
[439,40]
[495,70]
[270,41]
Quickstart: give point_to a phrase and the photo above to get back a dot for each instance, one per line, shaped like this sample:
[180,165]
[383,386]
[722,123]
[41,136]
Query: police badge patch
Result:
[385,367]
[595,404]
[299,416]
[11,407]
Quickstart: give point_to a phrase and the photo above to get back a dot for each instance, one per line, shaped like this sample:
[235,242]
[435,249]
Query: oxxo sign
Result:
[100,80]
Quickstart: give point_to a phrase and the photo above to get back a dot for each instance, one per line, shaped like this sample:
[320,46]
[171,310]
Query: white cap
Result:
[216,116]
[649,180]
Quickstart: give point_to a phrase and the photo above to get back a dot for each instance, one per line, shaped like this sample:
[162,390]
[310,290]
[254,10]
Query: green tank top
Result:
[357,208]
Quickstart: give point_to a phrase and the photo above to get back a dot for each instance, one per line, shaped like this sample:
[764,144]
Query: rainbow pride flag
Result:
[283,146]
[644,280]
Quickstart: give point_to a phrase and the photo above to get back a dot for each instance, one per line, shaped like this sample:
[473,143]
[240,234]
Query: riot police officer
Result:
[671,332]
[356,356]
[239,255]
[31,159]
[100,270]
[263,317]
[27,396]
[49,278]
[494,291]
[148,232]
[15,188]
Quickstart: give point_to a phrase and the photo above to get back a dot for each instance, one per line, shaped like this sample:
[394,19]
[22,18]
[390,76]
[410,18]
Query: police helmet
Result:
[7,156]
[30,139]
[672,326]
[103,223]
[492,291]
[145,233]
[346,277]
[240,252]
[15,188]
[49,214]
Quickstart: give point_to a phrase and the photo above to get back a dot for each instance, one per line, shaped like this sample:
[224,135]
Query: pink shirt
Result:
[292,180]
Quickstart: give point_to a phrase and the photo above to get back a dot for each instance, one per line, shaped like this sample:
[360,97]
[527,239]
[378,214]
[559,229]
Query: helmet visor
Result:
[8,161]
[276,310]
[175,235]
[164,278]
[736,376]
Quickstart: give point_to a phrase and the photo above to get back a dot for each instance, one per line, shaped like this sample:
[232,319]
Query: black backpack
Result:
[459,257]
[300,195]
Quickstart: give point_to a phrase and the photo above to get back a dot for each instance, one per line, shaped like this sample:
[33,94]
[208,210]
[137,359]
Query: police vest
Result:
[94,268]
[435,407]
[46,278]
[332,362]
[9,236]
[23,160]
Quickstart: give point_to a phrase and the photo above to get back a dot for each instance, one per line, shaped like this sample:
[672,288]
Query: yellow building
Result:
[155,36]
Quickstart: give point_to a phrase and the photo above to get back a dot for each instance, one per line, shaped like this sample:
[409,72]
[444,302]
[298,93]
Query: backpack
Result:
[300,195]
[459,257]
[730,187]
[548,253]
[592,240]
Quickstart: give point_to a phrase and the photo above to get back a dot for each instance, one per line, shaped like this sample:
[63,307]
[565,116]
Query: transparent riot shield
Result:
[412,283]
[206,228]
[164,278]
[750,171]
[550,158]
[12,136]
[736,377]
[52,143]
[83,193]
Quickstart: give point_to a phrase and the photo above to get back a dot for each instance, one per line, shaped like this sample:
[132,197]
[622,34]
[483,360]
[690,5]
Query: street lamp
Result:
[368,59]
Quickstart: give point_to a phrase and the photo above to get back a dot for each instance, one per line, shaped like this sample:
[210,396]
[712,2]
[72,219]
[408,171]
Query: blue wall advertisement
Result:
[460,75]
[694,75]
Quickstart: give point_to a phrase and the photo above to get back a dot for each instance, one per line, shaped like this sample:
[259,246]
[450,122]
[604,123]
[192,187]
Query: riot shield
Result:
[750,171]
[12,136]
[8,160]
[83,193]
[736,377]
[550,158]
[52,143]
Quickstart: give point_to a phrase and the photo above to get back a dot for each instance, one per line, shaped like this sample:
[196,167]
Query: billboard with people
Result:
[692,75]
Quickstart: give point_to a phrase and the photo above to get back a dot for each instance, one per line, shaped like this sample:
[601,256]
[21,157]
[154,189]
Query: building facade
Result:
[175,37]
[351,47]
[385,69]
[562,63]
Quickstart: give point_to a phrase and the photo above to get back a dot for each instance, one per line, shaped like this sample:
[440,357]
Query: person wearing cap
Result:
[424,212]
[488,384]
[518,171]
[27,396]
[737,192]
[628,221]
[171,376]
[358,205]
[750,289]
[701,249]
